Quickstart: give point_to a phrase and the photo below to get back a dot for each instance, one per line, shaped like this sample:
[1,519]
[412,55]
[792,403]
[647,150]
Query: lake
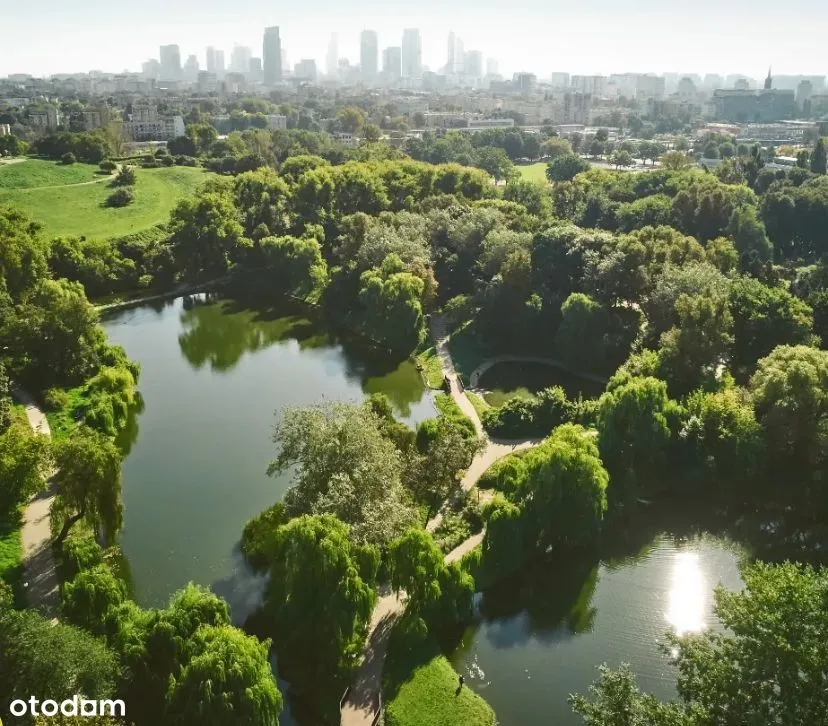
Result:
[212,377]
[542,635]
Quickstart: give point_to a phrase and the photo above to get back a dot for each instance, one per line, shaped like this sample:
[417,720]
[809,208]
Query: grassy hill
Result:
[533,172]
[70,208]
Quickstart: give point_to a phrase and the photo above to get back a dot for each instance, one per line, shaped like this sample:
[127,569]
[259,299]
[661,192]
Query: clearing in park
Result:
[69,199]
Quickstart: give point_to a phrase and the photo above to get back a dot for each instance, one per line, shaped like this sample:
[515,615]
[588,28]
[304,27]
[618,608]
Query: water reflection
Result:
[687,598]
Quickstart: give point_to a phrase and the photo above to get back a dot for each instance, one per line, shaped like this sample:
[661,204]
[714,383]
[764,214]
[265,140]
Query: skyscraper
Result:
[219,55]
[210,58]
[450,59]
[191,69]
[332,58]
[272,56]
[240,59]
[473,64]
[170,57]
[412,54]
[368,51]
[392,65]
[459,56]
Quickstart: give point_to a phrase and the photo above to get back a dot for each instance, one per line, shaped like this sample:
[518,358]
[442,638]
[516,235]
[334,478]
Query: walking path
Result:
[363,703]
[40,573]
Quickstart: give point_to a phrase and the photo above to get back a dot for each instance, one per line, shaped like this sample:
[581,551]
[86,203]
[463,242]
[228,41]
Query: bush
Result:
[125,177]
[55,399]
[182,160]
[108,166]
[120,198]
[519,417]
[150,163]
[68,158]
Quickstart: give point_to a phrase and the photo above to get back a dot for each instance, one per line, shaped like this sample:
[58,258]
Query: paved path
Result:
[40,574]
[362,704]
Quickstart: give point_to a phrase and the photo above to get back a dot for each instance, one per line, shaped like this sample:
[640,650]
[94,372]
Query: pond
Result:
[524,379]
[541,636]
[212,376]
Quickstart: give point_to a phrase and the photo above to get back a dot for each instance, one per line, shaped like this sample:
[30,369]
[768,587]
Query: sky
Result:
[541,36]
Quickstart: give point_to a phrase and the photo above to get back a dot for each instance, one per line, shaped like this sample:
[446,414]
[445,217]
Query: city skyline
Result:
[648,38]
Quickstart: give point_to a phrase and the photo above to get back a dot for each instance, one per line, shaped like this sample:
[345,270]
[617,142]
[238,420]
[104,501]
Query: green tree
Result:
[125,177]
[565,167]
[351,119]
[296,264]
[818,158]
[621,158]
[765,317]
[359,480]
[391,306]
[692,351]
[241,687]
[416,566]
[635,422]
[790,390]
[675,161]
[494,161]
[22,254]
[318,637]
[749,236]
[579,339]
[24,465]
[205,234]
[88,482]
[202,135]
[554,147]
[90,599]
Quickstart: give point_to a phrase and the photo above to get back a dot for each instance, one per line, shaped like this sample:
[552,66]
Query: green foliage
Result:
[818,157]
[120,198]
[88,482]
[318,637]
[416,566]
[108,398]
[359,481]
[22,255]
[258,542]
[296,265]
[125,177]
[90,598]
[565,167]
[241,687]
[24,466]
[68,158]
[521,418]
[579,340]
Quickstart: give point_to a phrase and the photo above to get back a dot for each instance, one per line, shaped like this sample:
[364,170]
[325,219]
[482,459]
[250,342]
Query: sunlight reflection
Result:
[685,610]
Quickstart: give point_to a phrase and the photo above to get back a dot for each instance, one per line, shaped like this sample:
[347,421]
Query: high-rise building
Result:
[473,64]
[332,58]
[459,56]
[256,70]
[451,57]
[219,63]
[191,69]
[151,69]
[412,54]
[305,70]
[272,56]
[492,68]
[210,59]
[170,58]
[392,65]
[368,52]
[240,59]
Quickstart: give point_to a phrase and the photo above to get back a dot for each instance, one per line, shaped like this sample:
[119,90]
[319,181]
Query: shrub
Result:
[125,177]
[68,158]
[79,552]
[182,160]
[120,198]
[519,417]
[108,166]
[55,399]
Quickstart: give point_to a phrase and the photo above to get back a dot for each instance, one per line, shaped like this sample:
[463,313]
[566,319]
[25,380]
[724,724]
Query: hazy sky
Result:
[579,36]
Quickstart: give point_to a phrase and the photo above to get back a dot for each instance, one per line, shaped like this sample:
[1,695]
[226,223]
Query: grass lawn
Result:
[63,421]
[478,402]
[11,552]
[32,173]
[421,688]
[533,172]
[432,369]
[79,210]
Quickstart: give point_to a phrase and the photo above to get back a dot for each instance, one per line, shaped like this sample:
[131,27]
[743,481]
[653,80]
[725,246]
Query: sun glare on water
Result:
[686,606]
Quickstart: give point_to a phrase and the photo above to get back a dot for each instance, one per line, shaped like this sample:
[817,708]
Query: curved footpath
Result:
[40,573]
[362,704]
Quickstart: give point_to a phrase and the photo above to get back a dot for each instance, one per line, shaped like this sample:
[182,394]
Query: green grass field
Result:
[32,173]
[79,210]
[421,687]
[533,172]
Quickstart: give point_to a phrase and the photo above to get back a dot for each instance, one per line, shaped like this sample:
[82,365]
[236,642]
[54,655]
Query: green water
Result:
[510,379]
[212,376]
[541,636]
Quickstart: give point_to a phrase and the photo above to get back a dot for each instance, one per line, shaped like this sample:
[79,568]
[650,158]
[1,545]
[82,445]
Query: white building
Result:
[145,125]
[276,121]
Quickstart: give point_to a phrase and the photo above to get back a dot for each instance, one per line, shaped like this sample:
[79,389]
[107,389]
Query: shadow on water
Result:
[243,589]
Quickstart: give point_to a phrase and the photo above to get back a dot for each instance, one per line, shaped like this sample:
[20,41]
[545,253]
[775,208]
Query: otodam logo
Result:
[75,706]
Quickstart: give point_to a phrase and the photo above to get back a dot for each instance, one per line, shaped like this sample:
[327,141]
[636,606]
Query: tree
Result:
[391,306]
[790,390]
[5,401]
[416,566]
[52,660]
[125,177]
[24,466]
[565,167]
[494,161]
[621,158]
[675,161]
[748,234]
[555,147]
[651,150]
[241,687]
[68,158]
[88,482]
[579,339]
[205,234]
[182,146]
[202,135]
[296,264]
[351,119]
[359,480]
[635,421]
[22,254]
[90,599]
[765,317]
[319,636]
[120,198]
[371,133]
[692,351]
[803,159]
[818,158]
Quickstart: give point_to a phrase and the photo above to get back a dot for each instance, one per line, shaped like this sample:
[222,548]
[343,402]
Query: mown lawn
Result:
[431,367]
[421,688]
[80,210]
[533,172]
[32,173]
